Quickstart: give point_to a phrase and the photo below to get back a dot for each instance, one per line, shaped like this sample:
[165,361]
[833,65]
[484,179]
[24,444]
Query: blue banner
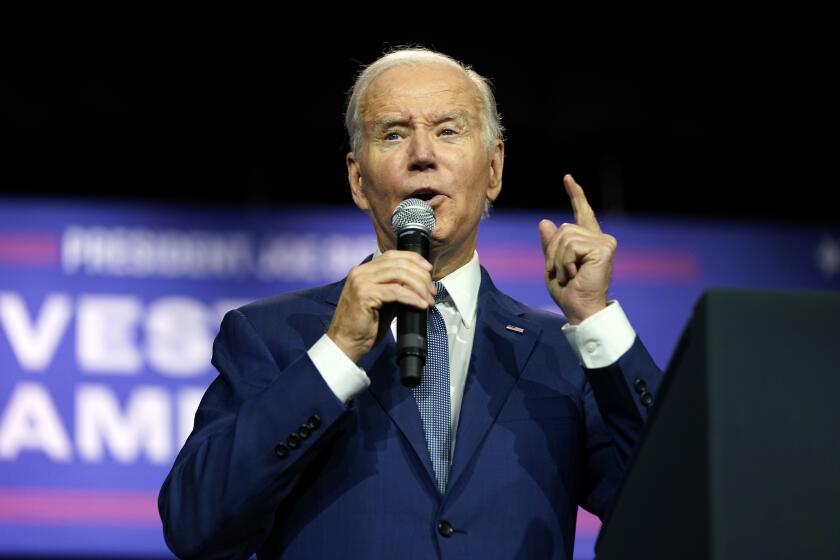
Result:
[108,312]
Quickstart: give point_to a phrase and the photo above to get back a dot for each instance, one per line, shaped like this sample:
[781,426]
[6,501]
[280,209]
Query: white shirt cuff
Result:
[344,377]
[601,339]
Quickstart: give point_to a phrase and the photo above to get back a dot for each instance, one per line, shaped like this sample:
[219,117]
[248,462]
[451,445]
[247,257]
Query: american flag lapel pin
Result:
[514,328]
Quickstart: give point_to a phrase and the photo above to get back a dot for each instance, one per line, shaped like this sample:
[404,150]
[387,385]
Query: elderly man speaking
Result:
[307,445]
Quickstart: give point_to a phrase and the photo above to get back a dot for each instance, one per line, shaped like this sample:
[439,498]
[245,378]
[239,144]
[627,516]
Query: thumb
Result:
[547,229]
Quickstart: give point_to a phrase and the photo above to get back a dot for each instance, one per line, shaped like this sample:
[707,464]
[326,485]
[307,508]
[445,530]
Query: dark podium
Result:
[741,458]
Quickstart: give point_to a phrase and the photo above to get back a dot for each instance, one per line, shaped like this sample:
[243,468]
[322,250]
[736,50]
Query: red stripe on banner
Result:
[512,262]
[680,267]
[84,508]
[121,508]
[40,249]
[516,263]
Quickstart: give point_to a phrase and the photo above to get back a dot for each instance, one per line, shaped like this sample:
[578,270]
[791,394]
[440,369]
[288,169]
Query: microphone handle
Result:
[411,322]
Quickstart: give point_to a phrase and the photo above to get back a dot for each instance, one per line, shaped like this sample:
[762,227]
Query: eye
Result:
[448,132]
[389,136]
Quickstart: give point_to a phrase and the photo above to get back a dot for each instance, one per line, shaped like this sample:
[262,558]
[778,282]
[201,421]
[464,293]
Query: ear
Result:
[354,177]
[497,164]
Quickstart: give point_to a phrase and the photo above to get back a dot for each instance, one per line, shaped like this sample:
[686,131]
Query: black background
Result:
[714,124]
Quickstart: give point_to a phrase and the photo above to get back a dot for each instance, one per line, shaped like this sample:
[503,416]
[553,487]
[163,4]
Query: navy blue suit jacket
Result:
[537,436]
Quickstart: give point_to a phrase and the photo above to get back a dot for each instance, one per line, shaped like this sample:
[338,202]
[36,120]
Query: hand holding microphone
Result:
[397,281]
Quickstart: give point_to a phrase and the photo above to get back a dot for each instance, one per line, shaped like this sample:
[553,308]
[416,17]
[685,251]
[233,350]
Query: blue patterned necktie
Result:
[432,394]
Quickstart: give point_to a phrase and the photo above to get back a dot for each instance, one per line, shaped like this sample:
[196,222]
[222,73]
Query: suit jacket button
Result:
[303,432]
[445,528]
[293,441]
[281,450]
[314,422]
[640,386]
[647,399]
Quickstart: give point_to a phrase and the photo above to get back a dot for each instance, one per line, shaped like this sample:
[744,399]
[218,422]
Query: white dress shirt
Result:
[598,341]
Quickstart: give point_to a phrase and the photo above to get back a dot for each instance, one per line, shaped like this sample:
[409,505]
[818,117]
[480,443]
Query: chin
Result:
[443,237]
[436,239]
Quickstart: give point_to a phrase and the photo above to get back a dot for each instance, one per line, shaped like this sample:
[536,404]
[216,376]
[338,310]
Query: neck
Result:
[449,259]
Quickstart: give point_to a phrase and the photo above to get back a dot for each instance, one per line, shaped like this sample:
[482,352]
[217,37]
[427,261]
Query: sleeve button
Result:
[293,441]
[640,385]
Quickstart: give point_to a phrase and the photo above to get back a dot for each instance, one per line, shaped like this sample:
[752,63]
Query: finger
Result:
[380,296]
[396,293]
[552,275]
[569,260]
[407,260]
[403,259]
[561,234]
[547,229]
[577,249]
[410,255]
[570,248]
[412,277]
[584,215]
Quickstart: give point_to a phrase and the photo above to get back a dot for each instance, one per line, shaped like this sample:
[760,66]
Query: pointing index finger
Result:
[584,215]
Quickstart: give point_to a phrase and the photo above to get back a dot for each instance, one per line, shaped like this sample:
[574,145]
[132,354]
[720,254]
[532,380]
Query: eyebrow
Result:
[388,122]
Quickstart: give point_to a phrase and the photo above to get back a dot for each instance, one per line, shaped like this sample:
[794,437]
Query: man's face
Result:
[422,138]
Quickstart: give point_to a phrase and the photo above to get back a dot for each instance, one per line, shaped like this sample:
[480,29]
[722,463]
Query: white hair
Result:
[491,120]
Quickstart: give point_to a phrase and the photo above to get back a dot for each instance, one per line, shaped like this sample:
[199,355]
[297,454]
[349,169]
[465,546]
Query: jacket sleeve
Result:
[617,400]
[257,427]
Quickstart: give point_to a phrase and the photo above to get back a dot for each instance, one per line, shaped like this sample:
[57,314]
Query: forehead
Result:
[417,91]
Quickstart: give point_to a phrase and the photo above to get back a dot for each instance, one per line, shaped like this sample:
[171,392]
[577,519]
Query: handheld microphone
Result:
[413,221]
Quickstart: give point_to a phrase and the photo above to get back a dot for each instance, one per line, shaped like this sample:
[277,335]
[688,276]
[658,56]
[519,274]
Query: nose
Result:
[422,152]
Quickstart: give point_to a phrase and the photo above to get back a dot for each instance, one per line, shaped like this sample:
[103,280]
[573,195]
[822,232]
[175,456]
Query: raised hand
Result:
[578,259]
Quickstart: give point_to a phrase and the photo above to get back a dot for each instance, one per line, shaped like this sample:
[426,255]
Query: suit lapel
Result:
[498,357]
[380,364]
[398,401]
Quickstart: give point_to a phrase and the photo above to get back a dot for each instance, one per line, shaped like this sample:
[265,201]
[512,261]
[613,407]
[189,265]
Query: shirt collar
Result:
[462,286]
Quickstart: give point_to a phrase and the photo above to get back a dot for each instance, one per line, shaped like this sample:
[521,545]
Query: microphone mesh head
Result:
[413,212]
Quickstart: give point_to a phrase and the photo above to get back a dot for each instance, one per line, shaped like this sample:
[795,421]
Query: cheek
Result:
[375,188]
[462,212]
[383,181]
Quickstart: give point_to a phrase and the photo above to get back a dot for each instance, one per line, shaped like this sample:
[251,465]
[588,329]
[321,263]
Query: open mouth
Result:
[424,194]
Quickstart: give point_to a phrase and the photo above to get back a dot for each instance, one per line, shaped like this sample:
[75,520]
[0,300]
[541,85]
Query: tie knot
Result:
[441,294]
